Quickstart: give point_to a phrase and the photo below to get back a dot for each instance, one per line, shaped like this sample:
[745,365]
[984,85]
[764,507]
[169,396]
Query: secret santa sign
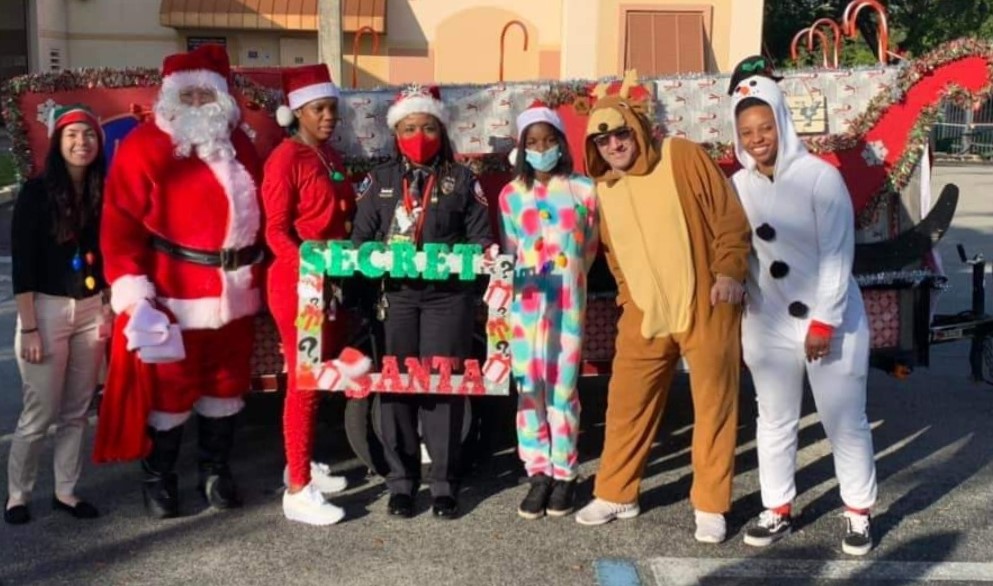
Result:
[433,262]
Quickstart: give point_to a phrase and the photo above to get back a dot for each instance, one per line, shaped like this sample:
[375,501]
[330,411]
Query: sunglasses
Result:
[621,134]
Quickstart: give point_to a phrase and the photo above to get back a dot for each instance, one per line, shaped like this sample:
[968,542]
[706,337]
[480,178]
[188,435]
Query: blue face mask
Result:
[544,161]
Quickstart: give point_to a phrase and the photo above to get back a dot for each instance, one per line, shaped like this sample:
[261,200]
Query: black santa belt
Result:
[227,259]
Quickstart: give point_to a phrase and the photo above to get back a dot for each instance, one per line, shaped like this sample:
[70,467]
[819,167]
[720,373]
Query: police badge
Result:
[448,185]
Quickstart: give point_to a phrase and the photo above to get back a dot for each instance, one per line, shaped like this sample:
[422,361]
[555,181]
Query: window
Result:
[665,42]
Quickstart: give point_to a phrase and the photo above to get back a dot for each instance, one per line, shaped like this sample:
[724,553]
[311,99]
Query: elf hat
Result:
[206,66]
[302,85]
[62,116]
[417,99]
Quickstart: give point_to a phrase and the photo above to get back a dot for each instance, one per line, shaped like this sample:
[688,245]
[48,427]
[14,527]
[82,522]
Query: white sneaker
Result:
[321,477]
[710,527]
[308,506]
[600,511]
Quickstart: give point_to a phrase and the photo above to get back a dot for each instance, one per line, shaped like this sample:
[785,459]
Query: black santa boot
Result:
[215,441]
[160,487]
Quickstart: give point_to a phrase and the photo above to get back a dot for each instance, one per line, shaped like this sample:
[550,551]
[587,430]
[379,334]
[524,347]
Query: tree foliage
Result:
[915,26]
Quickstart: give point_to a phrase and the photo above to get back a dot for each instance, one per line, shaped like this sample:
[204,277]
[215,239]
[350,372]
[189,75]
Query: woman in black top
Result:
[58,288]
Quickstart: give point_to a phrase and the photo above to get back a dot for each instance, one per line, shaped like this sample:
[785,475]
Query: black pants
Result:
[425,322]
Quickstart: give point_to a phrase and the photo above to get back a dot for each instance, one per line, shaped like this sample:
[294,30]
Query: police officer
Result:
[422,196]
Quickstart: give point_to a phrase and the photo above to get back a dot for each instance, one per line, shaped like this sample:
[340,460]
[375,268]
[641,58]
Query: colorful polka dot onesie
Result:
[552,232]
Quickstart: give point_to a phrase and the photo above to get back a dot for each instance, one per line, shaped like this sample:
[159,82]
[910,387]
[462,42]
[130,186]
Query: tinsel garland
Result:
[557,94]
[912,278]
[89,78]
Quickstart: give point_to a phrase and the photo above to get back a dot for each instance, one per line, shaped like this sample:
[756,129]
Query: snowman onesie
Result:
[800,279]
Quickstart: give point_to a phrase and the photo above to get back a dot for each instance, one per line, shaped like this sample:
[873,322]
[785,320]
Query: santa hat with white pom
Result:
[304,84]
[538,111]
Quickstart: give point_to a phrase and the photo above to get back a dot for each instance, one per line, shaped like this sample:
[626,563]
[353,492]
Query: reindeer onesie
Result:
[670,225]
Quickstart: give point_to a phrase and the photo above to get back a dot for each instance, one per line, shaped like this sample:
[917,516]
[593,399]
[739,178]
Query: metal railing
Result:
[965,131]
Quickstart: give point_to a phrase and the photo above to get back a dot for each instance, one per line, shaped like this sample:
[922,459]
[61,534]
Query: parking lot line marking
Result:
[691,571]
[616,572]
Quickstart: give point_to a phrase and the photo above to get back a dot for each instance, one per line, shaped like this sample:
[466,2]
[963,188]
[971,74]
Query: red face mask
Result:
[419,148]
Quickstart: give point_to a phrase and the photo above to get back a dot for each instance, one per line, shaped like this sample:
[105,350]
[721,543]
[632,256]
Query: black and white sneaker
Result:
[768,529]
[858,534]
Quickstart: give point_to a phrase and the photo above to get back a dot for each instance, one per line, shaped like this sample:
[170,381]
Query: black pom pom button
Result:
[779,269]
[799,309]
[766,232]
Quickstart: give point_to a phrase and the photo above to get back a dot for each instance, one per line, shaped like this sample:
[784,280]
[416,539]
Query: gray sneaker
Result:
[600,511]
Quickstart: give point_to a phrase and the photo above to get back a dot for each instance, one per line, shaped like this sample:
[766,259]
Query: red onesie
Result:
[302,200]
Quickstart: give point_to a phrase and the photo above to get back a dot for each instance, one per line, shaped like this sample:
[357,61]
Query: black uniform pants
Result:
[425,322]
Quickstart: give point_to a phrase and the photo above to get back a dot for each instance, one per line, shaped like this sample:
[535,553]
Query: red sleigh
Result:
[878,156]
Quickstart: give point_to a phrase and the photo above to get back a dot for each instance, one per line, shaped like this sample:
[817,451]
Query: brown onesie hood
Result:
[628,107]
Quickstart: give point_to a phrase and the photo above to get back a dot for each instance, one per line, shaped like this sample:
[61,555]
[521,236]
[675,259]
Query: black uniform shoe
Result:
[445,507]
[401,505]
[82,510]
[563,498]
[533,505]
[16,515]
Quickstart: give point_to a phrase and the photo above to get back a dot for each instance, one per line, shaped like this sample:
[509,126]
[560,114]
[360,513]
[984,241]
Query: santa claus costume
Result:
[804,314]
[181,244]
[306,196]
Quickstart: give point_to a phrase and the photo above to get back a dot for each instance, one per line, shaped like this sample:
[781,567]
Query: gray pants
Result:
[57,390]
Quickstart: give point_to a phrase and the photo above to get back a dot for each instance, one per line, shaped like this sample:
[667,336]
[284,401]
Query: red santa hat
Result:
[304,84]
[538,112]
[417,99]
[206,66]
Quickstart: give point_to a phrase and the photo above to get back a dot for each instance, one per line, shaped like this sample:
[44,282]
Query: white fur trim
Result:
[300,97]
[195,78]
[218,407]
[162,421]
[243,206]
[210,313]
[127,290]
[540,114]
[416,105]
[354,369]
[285,116]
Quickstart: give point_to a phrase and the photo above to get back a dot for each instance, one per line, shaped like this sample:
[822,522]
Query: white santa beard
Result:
[205,129]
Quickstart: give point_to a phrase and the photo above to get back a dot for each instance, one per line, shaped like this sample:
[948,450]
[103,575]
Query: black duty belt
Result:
[227,259]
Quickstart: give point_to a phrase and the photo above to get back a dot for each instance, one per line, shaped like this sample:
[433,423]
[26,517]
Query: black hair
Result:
[526,173]
[749,103]
[71,211]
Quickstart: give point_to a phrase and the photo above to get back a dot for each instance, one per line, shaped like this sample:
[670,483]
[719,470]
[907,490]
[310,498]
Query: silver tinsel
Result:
[903,278]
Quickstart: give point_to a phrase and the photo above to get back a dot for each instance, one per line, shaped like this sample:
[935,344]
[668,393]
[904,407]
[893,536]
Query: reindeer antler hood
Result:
[630,108]
[768,91]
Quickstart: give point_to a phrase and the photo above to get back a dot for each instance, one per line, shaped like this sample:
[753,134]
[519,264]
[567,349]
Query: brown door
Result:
[665,43]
